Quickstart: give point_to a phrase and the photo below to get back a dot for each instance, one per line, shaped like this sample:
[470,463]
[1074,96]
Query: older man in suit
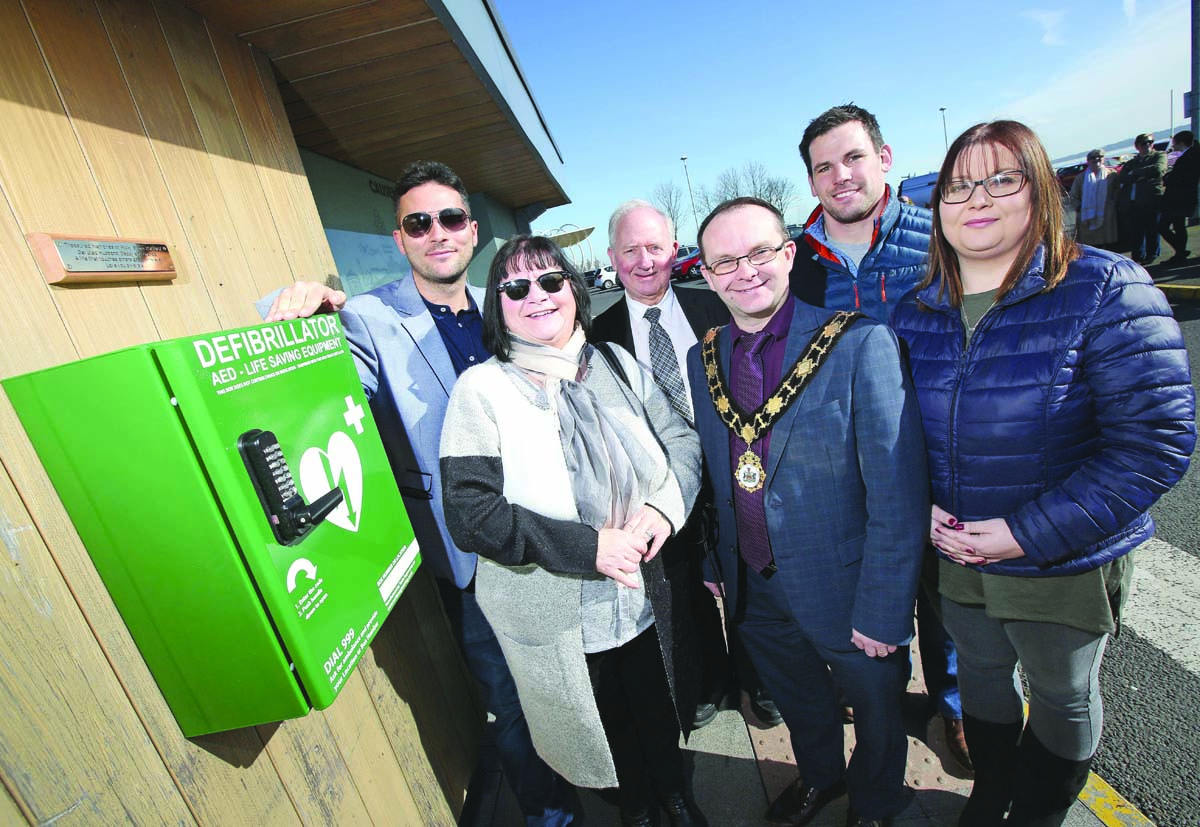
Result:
[659,324]
[410,340]
[813,441]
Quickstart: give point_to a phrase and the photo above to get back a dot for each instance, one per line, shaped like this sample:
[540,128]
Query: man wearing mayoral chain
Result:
[812,436]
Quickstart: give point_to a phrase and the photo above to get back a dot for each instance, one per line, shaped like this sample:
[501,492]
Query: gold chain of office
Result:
[750,474]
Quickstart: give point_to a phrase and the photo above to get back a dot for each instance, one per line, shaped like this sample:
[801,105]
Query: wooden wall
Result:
[134,118]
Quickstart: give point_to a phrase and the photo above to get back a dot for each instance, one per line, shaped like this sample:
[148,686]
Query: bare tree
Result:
[752,179]
[756,176]
[668,197]
[780,192]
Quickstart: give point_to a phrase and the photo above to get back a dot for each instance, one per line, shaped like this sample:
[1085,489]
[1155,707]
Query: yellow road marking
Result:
[1108,805]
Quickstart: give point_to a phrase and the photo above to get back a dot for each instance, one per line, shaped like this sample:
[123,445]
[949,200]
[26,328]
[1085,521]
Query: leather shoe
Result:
[705,713]
[800,803]
[853,819]
[764,708]
[956,740]
[638,819]
[683,812]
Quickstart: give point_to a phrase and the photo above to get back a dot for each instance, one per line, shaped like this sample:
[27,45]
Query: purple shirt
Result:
[772,356]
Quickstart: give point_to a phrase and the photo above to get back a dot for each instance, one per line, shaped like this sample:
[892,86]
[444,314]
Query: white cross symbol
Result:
[353,415]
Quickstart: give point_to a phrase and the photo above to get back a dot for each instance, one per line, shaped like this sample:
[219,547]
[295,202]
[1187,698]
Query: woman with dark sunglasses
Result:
[566,468]
[1058,407]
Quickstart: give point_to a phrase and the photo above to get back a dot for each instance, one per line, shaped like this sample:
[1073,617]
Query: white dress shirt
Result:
[676,325]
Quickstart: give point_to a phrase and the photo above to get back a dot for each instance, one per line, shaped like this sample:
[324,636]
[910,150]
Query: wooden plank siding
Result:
[138,118]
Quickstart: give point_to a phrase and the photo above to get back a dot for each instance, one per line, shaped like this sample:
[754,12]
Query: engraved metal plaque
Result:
[75,259]
[83,256]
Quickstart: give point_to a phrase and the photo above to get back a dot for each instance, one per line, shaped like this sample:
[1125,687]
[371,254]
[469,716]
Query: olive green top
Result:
[1090,601]
[974,305]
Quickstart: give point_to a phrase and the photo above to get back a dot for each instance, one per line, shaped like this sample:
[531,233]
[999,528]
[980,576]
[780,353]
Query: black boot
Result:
[1046,785]
[642,818]
[682,811]
[993,749]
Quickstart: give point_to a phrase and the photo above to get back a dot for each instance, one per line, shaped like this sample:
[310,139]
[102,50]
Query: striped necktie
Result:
[665,365]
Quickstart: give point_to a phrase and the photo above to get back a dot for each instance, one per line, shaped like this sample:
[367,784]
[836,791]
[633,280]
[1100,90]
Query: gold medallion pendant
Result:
[750,472]
[750,426]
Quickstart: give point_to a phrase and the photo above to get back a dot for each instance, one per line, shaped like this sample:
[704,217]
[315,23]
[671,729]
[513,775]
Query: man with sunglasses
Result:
[862,249]
[813,442]
[659,324]
[410,340]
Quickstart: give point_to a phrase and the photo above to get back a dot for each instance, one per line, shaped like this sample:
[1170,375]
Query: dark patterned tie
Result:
[748,393]
[665,365]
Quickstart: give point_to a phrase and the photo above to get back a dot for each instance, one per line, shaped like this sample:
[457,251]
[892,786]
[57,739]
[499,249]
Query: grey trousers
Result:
[1061,665]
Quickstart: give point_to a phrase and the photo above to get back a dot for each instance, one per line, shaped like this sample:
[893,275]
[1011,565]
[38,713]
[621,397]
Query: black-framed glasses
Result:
[518,289]
[1000,185]
[763,255]
[417,224]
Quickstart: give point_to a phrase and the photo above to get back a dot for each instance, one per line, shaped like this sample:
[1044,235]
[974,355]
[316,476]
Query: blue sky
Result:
[628,86]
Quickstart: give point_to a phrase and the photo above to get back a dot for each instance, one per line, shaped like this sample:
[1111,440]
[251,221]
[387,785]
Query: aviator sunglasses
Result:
[518,289]
[452,219]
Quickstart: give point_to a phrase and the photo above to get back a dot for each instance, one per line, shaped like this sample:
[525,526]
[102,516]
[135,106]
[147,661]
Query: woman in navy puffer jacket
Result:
[1058,407]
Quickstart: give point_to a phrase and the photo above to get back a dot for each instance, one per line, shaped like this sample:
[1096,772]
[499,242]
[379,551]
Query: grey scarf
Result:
[609,467]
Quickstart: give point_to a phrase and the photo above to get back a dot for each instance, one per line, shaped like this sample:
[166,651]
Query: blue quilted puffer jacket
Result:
[1069,413]
[893,265]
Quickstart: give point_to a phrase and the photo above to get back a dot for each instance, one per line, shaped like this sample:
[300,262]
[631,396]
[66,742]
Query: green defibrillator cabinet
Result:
[236,499]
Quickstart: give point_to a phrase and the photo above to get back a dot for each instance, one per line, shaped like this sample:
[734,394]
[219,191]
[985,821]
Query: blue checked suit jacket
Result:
[847,490]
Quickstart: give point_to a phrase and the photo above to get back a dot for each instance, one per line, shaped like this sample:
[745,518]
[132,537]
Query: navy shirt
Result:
[461,332]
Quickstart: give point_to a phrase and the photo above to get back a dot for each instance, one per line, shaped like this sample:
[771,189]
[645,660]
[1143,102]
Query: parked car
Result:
[605,278]
[919,188]
[687,264]
[1067,175]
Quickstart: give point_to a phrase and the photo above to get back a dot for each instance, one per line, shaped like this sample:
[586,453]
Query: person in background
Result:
[566,469]
[410,340]
[1140,198]
[658,323]
[1035,511]
[861,250]
[1094,198]
[1180,196]
[812,439]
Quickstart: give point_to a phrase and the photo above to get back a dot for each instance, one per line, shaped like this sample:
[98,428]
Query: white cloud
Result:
[1051,23]
[1114,90]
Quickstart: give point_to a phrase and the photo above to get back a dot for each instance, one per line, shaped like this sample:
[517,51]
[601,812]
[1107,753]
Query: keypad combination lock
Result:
[290,518]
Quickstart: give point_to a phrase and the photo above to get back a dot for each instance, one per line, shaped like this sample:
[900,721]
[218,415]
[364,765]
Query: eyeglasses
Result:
[518,289]
[763,255]
[1000,185]
[417,224]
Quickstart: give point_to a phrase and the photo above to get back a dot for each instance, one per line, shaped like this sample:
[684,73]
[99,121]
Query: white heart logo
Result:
[338,464]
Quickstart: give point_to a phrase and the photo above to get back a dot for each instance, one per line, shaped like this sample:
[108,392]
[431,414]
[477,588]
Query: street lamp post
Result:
[691,197]
[945,135]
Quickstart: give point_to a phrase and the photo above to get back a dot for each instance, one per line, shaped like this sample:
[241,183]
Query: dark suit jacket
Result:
[701,307]
[847,490]
[1181,183]
[703,311]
